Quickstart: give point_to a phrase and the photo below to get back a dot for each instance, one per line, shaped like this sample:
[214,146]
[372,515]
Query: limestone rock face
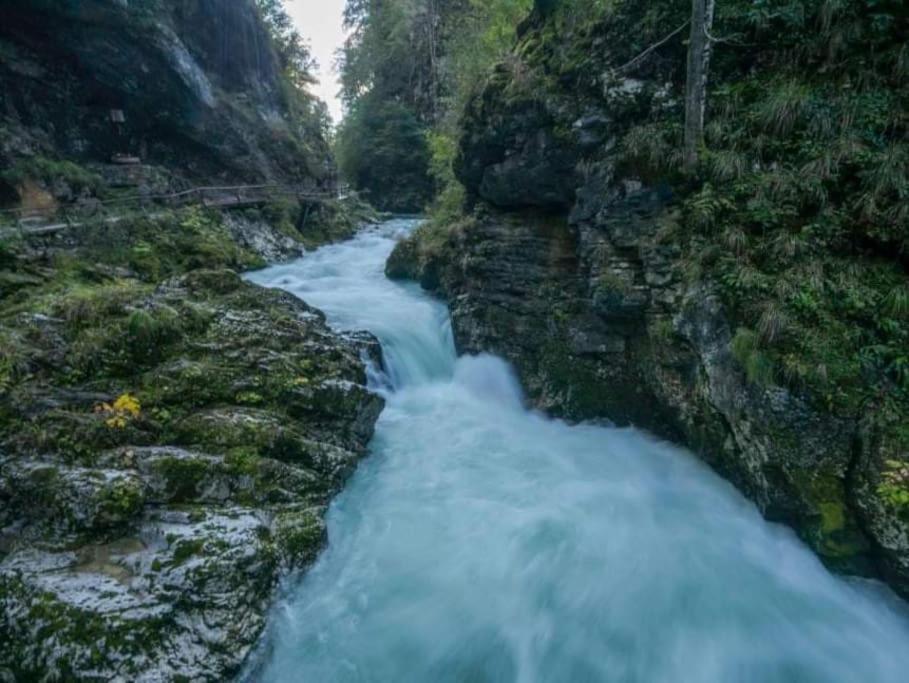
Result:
[572,267]
[512,158]
[198,84]
[601,325]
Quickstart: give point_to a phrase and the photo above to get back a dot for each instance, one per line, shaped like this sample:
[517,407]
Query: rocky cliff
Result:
[727,311]
[193,88]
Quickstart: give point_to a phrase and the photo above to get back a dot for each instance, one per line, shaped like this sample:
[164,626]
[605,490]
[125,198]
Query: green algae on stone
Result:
[299,536]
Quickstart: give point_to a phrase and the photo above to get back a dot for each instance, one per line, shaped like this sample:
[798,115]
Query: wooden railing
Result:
[226,197]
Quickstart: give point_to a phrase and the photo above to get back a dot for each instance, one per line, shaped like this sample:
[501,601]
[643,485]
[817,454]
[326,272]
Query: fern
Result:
[772,323]
[896,302]
[784,106]
[758,367]
[725,165]
[790,245]
[736,240]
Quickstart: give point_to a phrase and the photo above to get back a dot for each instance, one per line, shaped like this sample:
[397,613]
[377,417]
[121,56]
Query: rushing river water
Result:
[483,543]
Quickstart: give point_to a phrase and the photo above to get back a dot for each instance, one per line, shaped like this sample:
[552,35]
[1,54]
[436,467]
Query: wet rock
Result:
[183,596]
[575,263]
[165,471]
[596,316]
[263,239]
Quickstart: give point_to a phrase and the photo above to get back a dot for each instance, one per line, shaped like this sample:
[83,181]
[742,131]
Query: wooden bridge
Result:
[56,219]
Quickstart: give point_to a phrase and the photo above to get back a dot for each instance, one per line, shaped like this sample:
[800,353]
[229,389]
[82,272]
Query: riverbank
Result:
[170,437]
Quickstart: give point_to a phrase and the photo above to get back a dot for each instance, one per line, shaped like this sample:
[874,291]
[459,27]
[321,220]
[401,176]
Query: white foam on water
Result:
[482,542]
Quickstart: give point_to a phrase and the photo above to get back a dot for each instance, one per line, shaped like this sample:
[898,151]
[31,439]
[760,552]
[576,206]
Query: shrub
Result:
[758,366]
[118,414]
[148,331]
[49,171]
[894,488]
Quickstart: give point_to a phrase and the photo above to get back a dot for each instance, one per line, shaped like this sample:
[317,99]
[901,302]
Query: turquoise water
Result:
[483,543]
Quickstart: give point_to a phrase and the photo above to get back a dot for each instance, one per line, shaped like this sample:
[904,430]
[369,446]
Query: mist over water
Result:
[484,543]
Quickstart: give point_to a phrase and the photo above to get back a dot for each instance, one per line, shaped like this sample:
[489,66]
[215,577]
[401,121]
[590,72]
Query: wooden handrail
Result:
[271,190]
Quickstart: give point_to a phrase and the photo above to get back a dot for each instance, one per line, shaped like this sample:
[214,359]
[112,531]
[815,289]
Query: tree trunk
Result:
[433,60]
[696,87]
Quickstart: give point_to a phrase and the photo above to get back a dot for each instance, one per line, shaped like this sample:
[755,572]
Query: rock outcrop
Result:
[582,265]
[167,449]
[195,88]
[601,322]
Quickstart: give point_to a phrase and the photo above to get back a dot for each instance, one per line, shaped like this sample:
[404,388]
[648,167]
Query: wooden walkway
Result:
[38,222]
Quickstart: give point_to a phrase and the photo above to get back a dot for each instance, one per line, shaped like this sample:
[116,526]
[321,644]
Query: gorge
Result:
[615,407]
[481,541]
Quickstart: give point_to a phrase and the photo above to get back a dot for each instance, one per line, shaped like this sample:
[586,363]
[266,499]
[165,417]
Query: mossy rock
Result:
[217,281]
[299,536]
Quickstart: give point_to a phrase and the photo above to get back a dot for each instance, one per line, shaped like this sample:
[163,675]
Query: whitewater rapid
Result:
[483,543]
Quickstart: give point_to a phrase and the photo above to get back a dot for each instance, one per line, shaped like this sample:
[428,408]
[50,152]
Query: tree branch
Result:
[728,40]
[650,49]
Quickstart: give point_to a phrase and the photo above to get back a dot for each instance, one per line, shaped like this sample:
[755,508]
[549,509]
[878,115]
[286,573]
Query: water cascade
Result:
[483,542]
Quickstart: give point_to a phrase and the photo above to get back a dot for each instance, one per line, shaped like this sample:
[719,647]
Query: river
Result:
[484,543]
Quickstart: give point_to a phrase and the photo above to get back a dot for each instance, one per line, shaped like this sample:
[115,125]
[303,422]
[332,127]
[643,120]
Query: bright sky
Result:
[320,22]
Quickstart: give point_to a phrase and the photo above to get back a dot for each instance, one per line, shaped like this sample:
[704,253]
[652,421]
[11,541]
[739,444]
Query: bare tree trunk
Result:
[696,87]
[434,52]
[433,27]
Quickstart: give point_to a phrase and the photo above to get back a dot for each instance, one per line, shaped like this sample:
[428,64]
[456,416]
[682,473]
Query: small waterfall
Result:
[483,542]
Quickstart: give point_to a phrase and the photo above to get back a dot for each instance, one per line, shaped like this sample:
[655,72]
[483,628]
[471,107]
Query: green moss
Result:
[187,386]
[242,461]
[166,244]
[83,633]
[186,549]
[78,436]
[145,260]
[150,332]
[221,281]
[299,536]
[833,517]
[120,502]
[182,476]
[894,487]
[834,532]
[87,305]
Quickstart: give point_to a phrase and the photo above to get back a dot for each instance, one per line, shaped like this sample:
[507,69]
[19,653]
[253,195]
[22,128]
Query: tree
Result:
[296,59]
[382,150]
[699,48]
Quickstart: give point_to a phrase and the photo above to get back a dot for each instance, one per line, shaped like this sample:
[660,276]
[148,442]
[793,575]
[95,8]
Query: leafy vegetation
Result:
[797,211]
[118,413]
[382,150]
[50,171]
[895,487]
[298,65]
[407,71]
